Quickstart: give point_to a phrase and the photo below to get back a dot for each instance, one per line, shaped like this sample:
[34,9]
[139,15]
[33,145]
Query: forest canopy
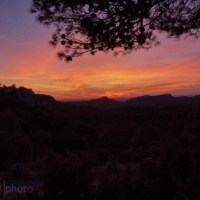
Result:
[89,26]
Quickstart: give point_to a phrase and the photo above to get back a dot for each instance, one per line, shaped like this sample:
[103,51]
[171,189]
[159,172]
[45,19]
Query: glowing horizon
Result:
[27,60]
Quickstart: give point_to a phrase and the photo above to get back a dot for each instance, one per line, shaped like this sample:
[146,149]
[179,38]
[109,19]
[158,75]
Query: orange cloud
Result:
[163,69]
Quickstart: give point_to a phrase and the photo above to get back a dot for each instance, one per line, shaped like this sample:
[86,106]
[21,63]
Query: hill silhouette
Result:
[43,98]
[22,94]
[103,102]
[163,100]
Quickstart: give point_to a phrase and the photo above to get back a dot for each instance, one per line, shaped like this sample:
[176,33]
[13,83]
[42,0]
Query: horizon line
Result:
[121,98]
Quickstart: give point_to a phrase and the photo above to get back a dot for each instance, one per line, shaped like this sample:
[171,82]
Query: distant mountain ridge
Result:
[163,100]
[141,101]
[104,102]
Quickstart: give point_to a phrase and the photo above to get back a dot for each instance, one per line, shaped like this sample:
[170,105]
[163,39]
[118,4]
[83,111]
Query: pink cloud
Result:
[172,67]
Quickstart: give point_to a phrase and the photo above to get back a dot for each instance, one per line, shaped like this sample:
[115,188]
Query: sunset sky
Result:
[26,59]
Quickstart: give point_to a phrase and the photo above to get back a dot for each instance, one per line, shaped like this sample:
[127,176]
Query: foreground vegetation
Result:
[68,145]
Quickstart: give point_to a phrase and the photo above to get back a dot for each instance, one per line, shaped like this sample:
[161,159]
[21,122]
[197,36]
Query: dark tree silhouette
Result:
[121,26]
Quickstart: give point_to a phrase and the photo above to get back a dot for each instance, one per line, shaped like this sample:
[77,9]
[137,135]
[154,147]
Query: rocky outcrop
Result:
[28,96]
